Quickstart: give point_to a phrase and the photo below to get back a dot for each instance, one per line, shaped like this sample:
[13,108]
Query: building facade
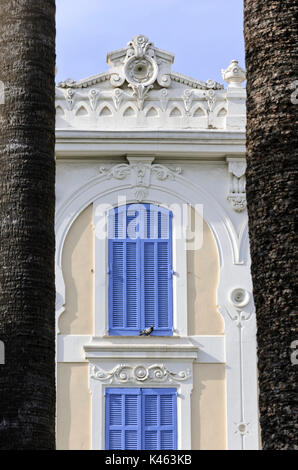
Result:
[151,230]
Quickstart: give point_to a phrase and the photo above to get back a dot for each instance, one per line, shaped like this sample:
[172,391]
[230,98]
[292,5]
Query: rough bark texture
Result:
[27,203]
[271,62]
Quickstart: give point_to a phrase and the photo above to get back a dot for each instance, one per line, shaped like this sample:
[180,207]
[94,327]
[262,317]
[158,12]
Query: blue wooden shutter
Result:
[123,419]
[124,271]
[140,267]
[159,419]
[156,275]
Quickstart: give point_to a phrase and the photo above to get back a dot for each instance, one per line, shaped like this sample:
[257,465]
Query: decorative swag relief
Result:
[123,374]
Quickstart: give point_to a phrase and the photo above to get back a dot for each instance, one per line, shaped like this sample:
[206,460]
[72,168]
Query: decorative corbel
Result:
[237,196]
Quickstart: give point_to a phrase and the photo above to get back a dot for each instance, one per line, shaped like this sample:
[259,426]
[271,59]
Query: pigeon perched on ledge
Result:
[147,331]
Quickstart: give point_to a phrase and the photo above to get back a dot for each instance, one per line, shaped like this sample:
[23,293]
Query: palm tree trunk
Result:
[271,61]
[27,205]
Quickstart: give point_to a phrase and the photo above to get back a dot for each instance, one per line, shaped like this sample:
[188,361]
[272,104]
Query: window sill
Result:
[151,347]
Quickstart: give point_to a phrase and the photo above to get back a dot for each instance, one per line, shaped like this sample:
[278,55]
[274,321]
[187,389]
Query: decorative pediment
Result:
[141,74]
[140,63]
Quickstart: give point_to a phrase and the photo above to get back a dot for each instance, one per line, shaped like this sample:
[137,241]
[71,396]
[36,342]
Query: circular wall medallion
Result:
[239,297]
[141,373]
[141,70]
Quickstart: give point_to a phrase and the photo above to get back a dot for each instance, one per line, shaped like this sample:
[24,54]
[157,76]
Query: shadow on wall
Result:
[202,283]
[73,395]
[78,272]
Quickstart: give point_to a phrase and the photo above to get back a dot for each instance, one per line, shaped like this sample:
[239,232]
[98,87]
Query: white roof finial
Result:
[234,75]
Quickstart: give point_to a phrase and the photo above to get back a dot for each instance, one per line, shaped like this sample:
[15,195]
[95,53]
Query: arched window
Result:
[140,270]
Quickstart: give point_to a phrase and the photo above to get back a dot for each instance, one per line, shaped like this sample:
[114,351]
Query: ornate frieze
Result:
[139,74]
[123,374]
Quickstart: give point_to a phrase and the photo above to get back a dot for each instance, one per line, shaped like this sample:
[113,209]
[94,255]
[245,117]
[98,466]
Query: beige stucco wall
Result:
[202,281]
[78,272]
[208,407]
[73,407]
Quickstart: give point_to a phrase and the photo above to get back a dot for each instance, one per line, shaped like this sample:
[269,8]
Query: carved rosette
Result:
[116,80]
[140,68]
[123,374]
[239,298]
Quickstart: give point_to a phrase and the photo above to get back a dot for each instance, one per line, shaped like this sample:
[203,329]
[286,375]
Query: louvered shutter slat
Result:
[115,438]
[150,410]
[159,419]
[151,440]
[157,272]
[114,420]
[124,289]
[131,411]
[132,289]
[115,417]
[166,440]
[163,284]
[166,410]
[117,282]
[123,419]
[131,440]
[149,284]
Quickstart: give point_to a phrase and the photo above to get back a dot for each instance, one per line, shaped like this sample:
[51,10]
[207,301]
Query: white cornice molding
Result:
[186,144]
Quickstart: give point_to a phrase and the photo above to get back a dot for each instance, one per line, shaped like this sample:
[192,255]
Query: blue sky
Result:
[204,35]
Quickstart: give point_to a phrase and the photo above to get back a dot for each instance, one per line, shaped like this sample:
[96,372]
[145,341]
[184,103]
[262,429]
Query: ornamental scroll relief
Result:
[122,374]
[140,171]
